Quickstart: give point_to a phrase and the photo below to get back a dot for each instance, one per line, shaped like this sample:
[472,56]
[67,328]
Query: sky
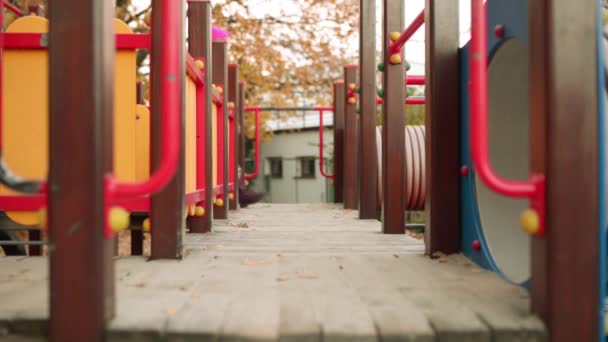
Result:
[414,49]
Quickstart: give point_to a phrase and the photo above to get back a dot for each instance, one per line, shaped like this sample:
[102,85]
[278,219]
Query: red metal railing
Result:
[397,44]
[415,80]
[256,111]
[13,8]
[478,61]
[169,82]
[321,159]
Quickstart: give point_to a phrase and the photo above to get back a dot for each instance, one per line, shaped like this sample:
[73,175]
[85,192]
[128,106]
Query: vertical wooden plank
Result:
[81,58]
[168,210]
[233,96]
[137,233]
[565,278]
[368,168]
[393,125]
[350,139]
[442,122]
[241,132]
[199,46]
[220,79]
[339,95]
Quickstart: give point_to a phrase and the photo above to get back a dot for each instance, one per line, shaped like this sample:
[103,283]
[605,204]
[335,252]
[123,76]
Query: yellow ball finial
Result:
[396,59]
[146,225]
[199,211]
[352,100]
[219,89]
[231,196]
[530,221]
[352,86]
[200,64]
[119,219]
[42,218]
[219,202]
[231,105]
[395,36]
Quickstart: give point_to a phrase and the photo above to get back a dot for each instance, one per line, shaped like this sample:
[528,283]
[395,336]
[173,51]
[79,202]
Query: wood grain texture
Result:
[293,273]
[442,127]
[351,138]
[339,94]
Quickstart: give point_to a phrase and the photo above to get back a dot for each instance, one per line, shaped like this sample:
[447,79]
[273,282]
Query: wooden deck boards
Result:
[290,273]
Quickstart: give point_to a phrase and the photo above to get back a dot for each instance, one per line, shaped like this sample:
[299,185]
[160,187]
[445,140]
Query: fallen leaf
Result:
[170,312]
[438,254]
[196,295]
[249,262]
[140,285]
[281,279]
[443,260]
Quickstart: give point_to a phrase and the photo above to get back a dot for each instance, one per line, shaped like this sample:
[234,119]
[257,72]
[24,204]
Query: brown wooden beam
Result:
[339,95]
[442,127]
[565,266]
[81,69]
[241,131]
[234,97]
[199,46]
[393,125]
[168,214]
[368,168]
[350,139]
[220,79]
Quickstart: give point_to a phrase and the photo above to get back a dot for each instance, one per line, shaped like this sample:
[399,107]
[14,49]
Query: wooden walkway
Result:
[294,273]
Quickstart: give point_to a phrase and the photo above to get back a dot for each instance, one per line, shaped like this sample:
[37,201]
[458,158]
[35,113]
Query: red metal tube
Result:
[321,159]
[256,171]
[478,62]
[13,8]
[408,33]
[169,83]
[415,101]
[415,80]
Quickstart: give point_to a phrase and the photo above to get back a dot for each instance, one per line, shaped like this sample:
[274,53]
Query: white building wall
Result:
[290,188]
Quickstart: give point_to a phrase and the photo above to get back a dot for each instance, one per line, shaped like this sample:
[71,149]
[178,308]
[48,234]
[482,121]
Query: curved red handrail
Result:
[13,8]
[415,80]
[396,46]
[478,96]
[256,171]
[321,159]
[169,83]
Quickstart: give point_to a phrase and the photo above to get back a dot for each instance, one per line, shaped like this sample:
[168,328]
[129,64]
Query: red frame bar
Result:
[33,41]
[478,97]
[321,161]
[396,46]
[256,171]
[415,80]
[170,67]
[13,8]
[415,101]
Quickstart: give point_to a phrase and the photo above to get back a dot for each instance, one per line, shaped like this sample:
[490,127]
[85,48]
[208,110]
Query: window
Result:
[276,167]
[307,167]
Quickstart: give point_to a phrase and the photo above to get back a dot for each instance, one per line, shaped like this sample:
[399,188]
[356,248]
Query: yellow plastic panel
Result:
[124,107]
[25,111]
[142,143]
[190,136]
[214,141]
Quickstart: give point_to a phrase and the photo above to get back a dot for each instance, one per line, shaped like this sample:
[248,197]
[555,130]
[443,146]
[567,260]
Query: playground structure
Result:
[502,106]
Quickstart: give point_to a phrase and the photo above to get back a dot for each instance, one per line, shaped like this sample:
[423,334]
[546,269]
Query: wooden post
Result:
[81,69]
[220,79]
[137,233]
[350,138]
[565,266]
[368,168]
[339,95]
[234,97]
[393,125]
[168,215]
[241,132]
[442,127]
[199,46]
